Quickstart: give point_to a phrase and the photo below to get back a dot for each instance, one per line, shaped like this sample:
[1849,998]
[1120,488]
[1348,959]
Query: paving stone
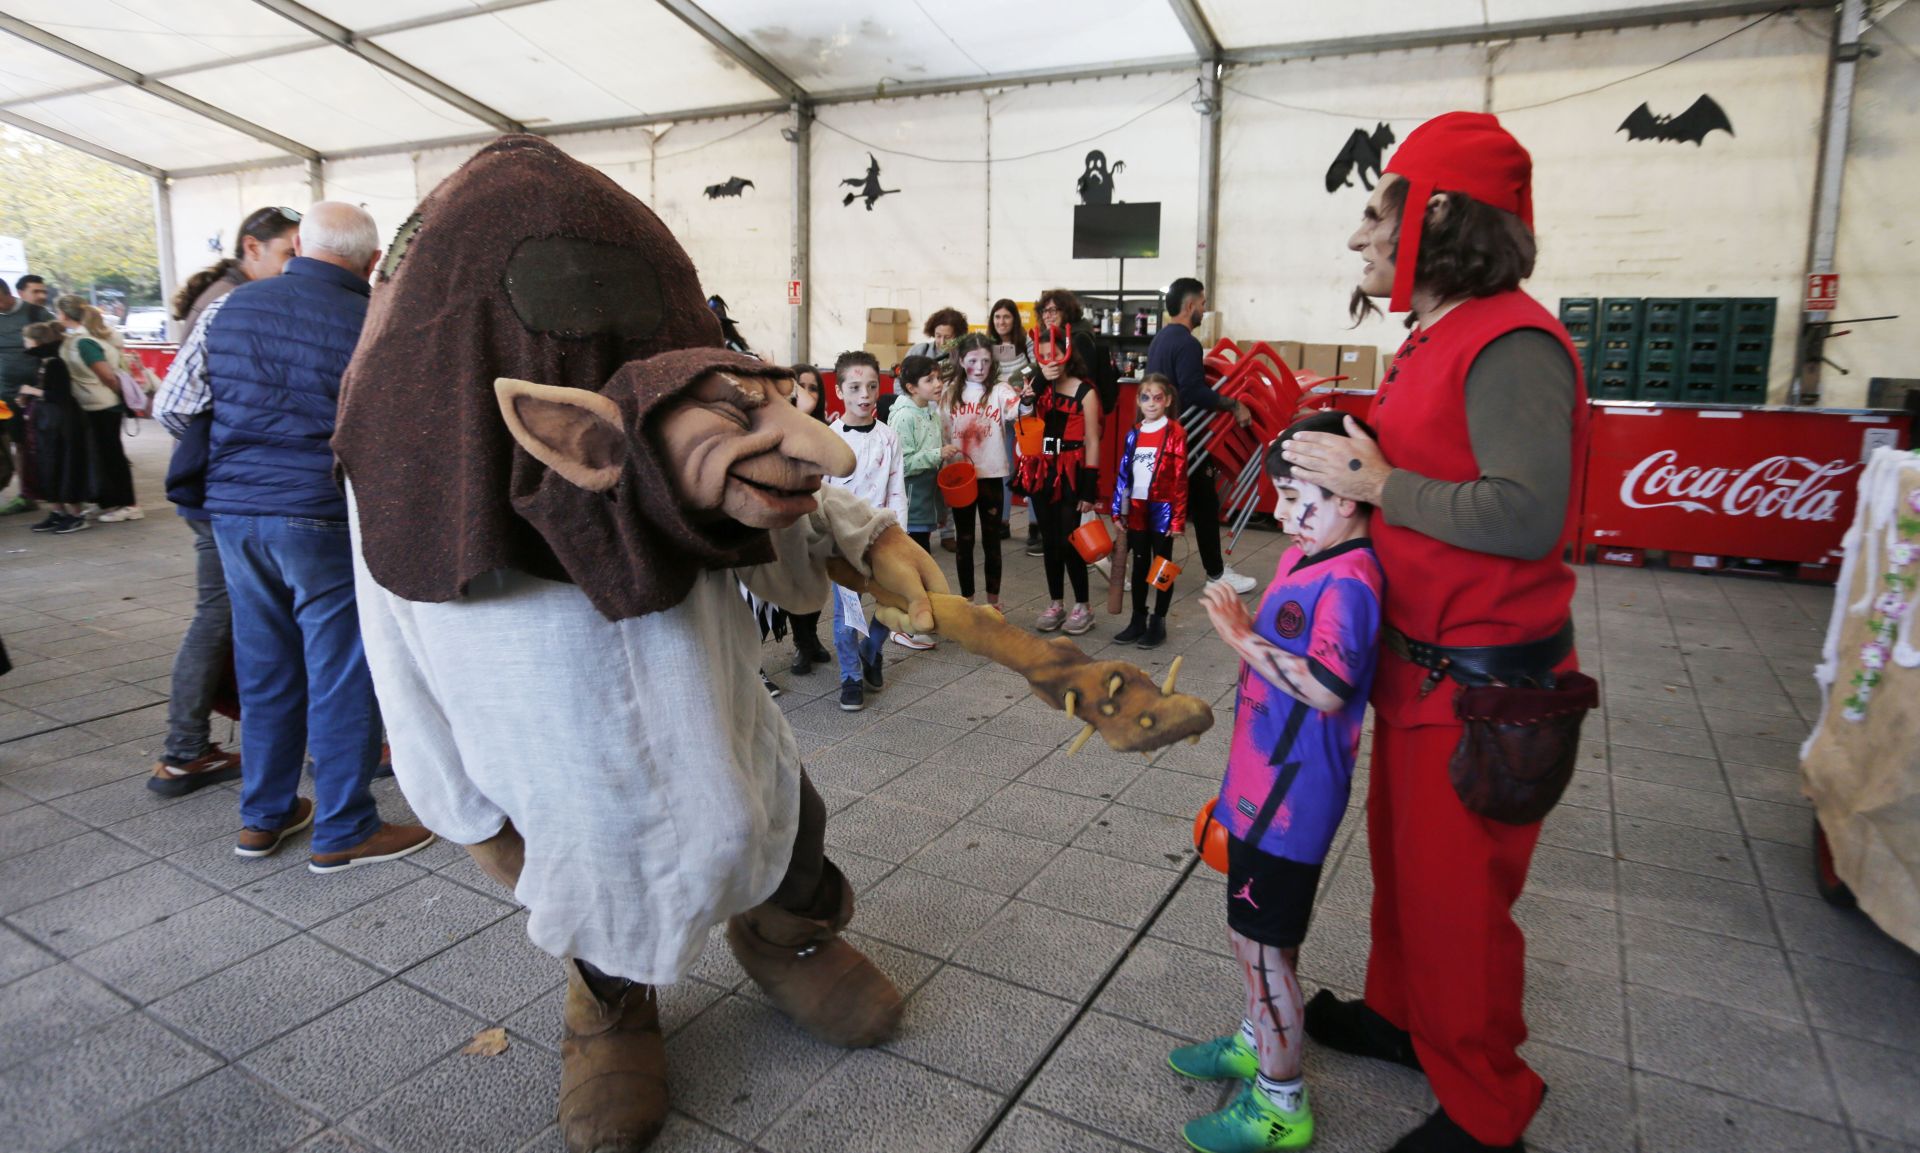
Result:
[173,953]
[988,754]
[1676,1115]
[1030,1131]
[1590,1108]
[1766,753]
[855,768]
[1691,742]
[1809,925]
[1143,837]
[1691,807]
[1085,775]
[152,720]
[1785,868]
[948,792]
[1786,824]
[391,1033]
[1177,990]
[1862,1003]
[24,830]
[1756,1056]
[985,858]
[228,1111]
[741,1064]
[62,867]
[406,926]
[50,1007]
[927,914]
[70,1090]
[885,829]
[19,956]
[218,865]
[1033,726]
[17,723]
[944,1027]
[245,1005]
[1113,1075]
[468,1104]
[1044,949]
[1587,878]
[1087,884]
[679,1135]
[1878,1084]
[77,921]
[492,973]
[1176,795]
[1775,785]
[1567,1007]
[863,872]
[211,814]
[906,736]
[307,898]
[1711,967]
[119,698]
[877,1103]
[1702,773]
[1039,813]
[86,769]
[1566,932]
[1197,915]
[1576,827]
[1670,846]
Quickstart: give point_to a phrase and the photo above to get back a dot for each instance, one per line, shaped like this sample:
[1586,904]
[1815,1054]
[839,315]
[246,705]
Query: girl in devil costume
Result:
[1064,479]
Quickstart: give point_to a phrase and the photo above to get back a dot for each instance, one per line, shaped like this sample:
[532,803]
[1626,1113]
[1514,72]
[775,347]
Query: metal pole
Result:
[1209,225]
[800,135]
[163,238]
[1805,386]
[316,182]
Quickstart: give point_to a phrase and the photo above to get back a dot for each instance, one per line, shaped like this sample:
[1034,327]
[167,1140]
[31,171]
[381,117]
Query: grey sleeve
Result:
[1519,398]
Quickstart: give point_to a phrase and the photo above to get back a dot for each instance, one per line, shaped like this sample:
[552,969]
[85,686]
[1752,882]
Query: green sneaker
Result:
[18,504]
[1251,1124]
[1221,1059]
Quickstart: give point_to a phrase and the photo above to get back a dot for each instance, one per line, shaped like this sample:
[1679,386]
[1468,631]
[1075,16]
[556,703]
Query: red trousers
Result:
[1448,963]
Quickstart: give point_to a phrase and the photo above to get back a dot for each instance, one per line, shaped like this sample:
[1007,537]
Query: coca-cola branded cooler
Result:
[1774,484]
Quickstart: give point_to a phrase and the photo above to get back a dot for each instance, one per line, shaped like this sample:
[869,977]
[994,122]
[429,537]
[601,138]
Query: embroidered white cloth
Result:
[654,780]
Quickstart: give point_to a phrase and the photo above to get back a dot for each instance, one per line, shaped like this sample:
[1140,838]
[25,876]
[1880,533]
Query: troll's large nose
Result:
[808,443]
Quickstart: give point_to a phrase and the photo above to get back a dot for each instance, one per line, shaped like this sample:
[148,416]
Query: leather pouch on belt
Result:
[1518,750]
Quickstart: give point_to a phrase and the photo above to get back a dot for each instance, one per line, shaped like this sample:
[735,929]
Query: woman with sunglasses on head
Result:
[261,249]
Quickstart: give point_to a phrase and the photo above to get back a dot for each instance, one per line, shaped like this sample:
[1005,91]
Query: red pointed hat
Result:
[1464,152]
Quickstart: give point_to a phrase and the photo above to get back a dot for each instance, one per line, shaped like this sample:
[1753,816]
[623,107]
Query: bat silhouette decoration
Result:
[1701,117]
[733,187]
[868,185]
[1360,153]
[1113,698]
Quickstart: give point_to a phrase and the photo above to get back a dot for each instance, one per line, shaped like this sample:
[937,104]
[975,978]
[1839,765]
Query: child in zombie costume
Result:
[1307,663]
[558,479]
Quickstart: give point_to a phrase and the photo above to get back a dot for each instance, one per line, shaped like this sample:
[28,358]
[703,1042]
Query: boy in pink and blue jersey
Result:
[1307,658]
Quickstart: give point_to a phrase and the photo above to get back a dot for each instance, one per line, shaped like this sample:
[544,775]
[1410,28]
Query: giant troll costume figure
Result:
[557,478]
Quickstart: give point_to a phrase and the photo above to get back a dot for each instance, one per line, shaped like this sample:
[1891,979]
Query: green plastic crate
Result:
[1699,388]
[1579,312]
[1754,317]
[1658,386]
[1666,317]
[1709,317]
[1660,355]
[1621,318]
[1746,378]
[1612,386]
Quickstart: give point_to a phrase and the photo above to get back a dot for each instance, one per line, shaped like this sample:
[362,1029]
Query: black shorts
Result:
[1269,898]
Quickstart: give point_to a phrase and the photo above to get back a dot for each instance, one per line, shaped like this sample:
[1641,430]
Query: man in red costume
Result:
[1480,421]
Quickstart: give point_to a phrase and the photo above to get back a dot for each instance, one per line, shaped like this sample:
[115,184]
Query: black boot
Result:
[1136,628]
[1353,1027]
[1439,1134]
[1156,632]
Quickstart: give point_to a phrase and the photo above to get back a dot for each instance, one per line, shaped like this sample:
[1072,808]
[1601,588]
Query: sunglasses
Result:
[290,215]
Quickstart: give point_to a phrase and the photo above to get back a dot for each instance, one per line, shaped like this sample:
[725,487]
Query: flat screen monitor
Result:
[1106,231]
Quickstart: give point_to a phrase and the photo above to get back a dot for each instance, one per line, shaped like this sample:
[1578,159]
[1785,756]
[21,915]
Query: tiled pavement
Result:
[1686,988]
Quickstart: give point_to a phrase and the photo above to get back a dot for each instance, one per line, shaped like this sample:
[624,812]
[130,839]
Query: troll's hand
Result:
[904,568]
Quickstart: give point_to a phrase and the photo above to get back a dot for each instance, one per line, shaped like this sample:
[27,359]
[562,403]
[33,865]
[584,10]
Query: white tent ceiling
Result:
[180,86]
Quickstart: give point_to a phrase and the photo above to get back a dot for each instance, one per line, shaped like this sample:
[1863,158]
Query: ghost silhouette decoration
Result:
[1096,181]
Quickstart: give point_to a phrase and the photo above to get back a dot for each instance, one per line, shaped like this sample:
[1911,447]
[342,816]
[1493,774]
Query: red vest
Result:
[1439,592]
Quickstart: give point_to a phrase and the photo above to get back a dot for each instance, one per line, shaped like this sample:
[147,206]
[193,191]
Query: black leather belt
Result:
[1054,446]
[1528,664]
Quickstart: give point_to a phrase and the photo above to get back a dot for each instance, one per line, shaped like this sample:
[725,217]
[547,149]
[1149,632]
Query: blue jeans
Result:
[201,663]
[304,683]
[853,650]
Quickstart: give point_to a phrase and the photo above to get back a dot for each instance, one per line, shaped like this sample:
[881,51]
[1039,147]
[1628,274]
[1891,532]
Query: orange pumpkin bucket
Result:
[1162,574]
[959,485]
[1091,540]
[1210,838]
[1030,435]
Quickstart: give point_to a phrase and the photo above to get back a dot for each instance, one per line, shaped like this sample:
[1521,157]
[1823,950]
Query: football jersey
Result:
[1291,766]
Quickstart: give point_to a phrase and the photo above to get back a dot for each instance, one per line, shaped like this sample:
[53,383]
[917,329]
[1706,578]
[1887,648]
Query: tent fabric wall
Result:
[1878,256]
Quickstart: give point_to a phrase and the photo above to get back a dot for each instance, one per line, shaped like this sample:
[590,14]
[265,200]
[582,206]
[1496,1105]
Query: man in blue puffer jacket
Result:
[266,360]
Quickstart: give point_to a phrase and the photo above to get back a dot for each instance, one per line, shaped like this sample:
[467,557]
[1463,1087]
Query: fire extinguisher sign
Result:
[1823,291]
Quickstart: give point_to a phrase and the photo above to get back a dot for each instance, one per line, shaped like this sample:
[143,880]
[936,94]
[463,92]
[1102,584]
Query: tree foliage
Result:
[85,222]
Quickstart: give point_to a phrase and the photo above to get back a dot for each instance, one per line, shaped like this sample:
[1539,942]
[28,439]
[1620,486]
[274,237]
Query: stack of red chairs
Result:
[1257,377]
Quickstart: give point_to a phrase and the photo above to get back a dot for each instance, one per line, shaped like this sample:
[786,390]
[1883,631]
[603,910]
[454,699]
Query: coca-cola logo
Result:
[1785,487]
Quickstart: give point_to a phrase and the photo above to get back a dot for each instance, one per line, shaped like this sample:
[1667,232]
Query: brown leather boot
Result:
[613,1067]
[828,987]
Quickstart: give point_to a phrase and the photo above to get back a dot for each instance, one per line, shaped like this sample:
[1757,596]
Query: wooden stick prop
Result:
[1117,579]
[1113,698]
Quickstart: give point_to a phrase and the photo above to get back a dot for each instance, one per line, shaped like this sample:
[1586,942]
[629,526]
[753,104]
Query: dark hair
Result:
[1163,380]
[1019,334]
[855,358]
[1180,292]
[1466,249]
[20,285]
[1066,302]
[729,332]
[954,378]
[45,332]
[913,370]
[951,317]
[264,225]
[819,412]
[1326,420]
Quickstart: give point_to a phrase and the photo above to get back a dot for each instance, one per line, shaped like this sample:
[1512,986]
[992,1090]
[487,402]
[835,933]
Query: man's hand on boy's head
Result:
[1349,466]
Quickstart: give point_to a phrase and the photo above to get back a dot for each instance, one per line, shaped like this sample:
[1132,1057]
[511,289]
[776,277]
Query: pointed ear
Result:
[576,433]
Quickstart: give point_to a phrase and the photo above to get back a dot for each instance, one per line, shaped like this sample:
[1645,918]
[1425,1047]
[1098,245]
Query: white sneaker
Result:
[1239,583]
[115,516]
[916,641]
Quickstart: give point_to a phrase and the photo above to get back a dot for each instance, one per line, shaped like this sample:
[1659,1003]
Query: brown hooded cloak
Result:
[526,263]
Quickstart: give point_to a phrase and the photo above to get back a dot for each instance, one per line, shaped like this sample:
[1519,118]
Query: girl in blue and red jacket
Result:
[1151,494]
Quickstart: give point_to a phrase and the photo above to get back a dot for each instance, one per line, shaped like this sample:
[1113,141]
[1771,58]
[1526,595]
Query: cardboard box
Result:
[887,316]
[1291,351]
[1320,359]
[887,332]
[1360,364]
[887,353]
